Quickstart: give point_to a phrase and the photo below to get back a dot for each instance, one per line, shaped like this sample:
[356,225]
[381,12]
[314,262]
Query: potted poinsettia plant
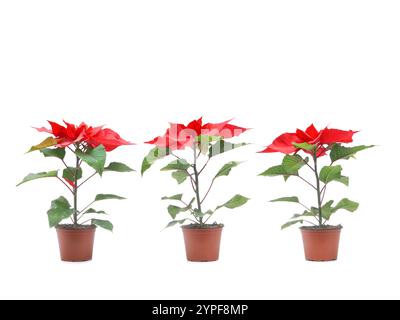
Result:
[321,240]
[76,225]
[193,146]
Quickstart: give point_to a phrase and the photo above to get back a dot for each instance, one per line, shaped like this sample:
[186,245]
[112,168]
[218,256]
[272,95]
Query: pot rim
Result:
[321,229]
[206,227]
[67,227]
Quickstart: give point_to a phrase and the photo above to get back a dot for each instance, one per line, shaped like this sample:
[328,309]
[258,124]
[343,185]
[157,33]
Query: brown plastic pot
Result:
[76,244]
[202,244]
[321,244]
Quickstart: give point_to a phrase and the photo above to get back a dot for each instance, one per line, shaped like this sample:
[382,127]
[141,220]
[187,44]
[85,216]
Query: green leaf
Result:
[175,197]
[105,224]
[275,171]
[202,138]
[96,158]
[40,175]
[174,222]
[174,210]
[291,164]
[60,209]
[305,146]
[226,169]
[291,223]
[101,197]
[237,201]
[330,173]
[69,173]
[327,210]
[343,179]
[205,141]
[339,152]
[346,204]
[118,167]
[287,199]
[56,153]
[154,155]
[223,146]
[48,142]
[180,176]
[91,210]
[179,164]
[305,214]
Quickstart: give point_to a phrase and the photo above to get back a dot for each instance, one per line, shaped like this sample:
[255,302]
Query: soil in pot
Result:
[76,242]
[202,242]
[321,243]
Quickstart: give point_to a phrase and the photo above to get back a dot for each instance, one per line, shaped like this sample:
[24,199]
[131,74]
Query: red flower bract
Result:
[93,136]
[285,142]
[179,136]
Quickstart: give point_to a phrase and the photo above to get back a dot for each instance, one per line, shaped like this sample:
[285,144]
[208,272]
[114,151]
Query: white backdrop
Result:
[135,65]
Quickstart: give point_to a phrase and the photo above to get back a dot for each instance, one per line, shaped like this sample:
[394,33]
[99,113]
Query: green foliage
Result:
[339,152]
[291,223]
[101,197]
[180,176]
[237,201]
[177,197]
[95,158]
[40,175]
[105,224]
[55,153]
[226,169]
[330,173]
[69,173]
[290,166]
[175,222]
[48,142]
[222,146]
[287,199]
[178,164]
[60,209]
[155,154]
[118,167]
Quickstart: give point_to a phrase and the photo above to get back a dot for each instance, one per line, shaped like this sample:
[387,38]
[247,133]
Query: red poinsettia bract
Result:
[180,136]
[93,136]
[285,143]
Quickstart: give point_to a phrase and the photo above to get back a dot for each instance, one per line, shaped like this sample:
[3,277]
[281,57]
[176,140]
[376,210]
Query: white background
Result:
[134,66]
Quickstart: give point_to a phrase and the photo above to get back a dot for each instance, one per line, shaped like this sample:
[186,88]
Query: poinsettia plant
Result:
[88,145]
[315,145]
[204,142]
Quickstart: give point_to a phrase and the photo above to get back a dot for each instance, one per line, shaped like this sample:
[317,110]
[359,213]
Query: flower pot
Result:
[321,244]
[76,243]
[202,244]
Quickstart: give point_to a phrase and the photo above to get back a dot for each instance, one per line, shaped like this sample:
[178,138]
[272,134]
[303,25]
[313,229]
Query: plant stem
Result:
[208,191]
[197,183]
[76,191]
[88,179]
[310,184]
[318,190]
[65,184]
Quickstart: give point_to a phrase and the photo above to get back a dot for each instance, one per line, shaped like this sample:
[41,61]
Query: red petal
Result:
[312,132]
[70,131]
[330,136]
[57,130]
[304,137]
[72,184]
[196,126]
[109,139]
[223,129]
[284,144]
[43,129]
